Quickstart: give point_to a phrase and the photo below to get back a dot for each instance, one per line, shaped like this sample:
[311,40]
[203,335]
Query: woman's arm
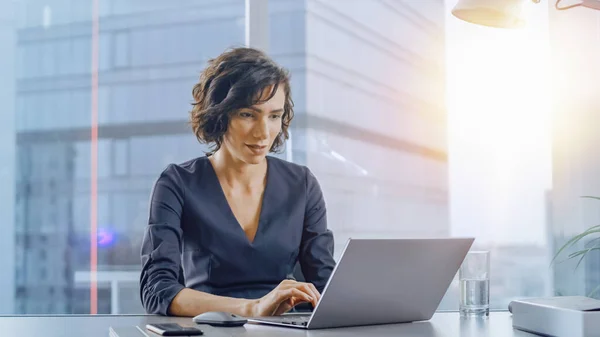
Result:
[160,287]
[280,300]
[316,248]
[161,245]
[189,302]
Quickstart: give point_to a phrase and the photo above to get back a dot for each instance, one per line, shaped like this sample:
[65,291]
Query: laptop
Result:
[382,281]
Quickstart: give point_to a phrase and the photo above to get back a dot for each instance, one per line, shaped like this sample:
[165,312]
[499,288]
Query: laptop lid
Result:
[381,281]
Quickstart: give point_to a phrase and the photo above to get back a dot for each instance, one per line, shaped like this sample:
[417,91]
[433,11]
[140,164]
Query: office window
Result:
[149,56]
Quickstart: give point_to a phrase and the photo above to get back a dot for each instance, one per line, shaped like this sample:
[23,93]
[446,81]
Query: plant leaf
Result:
[583,253]
[575,239]
[594,291]
[592,229]
[567,244]
[580,259]
[593,240]
[577,253]
[590,197]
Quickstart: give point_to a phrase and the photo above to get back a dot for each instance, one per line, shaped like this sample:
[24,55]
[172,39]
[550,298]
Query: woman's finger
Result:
[286,299]
[287,284]
[315,291]
[285,307]
[312,292]
[284,295]
[297,285]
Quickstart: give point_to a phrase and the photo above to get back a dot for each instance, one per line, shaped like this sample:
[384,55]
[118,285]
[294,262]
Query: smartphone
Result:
[173,329]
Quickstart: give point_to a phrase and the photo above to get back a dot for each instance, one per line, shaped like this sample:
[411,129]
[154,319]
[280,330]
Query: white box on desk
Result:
[563,316]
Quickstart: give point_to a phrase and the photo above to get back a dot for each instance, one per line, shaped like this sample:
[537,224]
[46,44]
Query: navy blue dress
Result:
[193,240]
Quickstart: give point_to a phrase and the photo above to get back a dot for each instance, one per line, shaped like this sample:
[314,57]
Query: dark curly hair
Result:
[234,80]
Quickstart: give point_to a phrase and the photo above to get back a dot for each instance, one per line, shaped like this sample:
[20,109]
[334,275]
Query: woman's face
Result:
[252,131]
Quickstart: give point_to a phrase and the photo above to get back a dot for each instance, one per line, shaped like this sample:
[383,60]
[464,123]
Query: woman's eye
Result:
[245,114]
[275,116]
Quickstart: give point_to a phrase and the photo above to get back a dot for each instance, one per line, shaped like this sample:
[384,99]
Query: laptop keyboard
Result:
[288,319]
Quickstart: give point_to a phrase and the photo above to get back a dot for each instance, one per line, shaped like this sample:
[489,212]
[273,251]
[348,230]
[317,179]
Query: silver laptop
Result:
[382,281]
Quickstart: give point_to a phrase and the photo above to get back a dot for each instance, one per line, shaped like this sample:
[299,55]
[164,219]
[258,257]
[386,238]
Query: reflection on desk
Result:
[499,324]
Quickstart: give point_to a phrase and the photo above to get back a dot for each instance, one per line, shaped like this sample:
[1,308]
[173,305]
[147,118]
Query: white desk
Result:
[499,324]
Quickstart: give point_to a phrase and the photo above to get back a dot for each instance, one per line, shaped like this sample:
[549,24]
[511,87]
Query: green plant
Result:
[591,245]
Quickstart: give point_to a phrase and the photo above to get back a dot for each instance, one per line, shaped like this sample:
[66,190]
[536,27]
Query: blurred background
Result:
[415,123]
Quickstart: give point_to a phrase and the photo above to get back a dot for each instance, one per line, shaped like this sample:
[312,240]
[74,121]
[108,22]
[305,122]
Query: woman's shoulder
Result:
[294,176]
[288,169]
[183,171]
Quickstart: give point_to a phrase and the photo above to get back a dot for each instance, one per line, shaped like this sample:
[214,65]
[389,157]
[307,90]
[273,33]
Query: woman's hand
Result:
[284,297]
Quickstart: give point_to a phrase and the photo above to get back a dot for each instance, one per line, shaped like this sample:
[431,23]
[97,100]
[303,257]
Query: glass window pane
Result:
[149,57]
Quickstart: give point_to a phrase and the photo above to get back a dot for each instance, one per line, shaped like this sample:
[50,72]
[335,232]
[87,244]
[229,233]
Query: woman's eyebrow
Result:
[260,111]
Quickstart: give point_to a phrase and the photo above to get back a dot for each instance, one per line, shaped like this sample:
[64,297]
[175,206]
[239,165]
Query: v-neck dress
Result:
[193,240]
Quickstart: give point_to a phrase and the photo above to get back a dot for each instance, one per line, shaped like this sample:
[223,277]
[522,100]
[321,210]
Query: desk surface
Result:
[499,324]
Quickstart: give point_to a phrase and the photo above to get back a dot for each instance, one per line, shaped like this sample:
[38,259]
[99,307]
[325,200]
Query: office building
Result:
[375,116]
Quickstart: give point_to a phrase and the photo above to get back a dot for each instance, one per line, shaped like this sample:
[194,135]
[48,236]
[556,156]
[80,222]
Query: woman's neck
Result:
[237,173]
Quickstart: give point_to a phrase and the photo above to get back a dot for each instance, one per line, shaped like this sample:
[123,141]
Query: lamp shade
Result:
[491,13]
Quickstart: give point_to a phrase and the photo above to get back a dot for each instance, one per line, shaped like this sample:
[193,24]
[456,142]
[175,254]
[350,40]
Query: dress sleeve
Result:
[161,245]
[316,247]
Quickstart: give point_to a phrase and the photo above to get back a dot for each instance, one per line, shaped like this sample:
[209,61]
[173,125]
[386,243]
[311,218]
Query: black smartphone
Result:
[173,329]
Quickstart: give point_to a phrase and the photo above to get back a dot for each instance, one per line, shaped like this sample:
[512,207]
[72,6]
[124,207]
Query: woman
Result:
[226,230]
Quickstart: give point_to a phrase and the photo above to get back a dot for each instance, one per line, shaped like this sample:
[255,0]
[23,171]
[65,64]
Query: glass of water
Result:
[474,278]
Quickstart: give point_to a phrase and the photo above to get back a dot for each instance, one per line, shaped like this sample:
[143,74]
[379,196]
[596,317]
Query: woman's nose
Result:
[261,130]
